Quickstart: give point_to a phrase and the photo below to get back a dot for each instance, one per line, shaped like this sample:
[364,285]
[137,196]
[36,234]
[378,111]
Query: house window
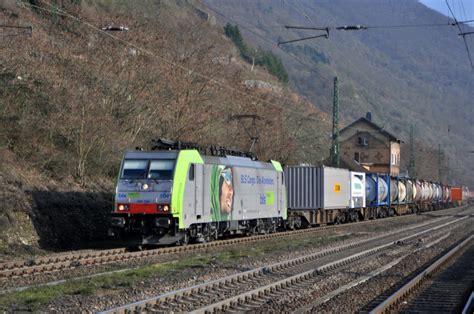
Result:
[395,159]
[357,157]
[363,141]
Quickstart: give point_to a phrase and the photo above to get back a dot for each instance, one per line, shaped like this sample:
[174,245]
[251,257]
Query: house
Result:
[366,146]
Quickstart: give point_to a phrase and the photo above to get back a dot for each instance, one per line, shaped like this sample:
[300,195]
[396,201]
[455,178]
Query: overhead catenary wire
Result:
[463,10]
[305,38]
[370,26]
[463,37]
[355,28]
[366,27]
[464,16]
[348,28]
[169,62]
[274,44]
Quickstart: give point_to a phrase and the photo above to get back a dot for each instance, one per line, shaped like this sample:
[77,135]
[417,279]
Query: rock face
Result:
[257,84]
[38,216]
[70,219]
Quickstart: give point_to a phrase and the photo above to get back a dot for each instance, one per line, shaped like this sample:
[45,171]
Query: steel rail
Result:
[364,278]
[61,262]
[253,296]
[391,302]
[254,274]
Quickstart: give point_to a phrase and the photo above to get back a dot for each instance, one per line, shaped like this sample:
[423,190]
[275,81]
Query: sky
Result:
[463,9]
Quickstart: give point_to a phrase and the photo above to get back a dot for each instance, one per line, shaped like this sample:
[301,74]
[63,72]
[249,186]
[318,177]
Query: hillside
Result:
[404,76]
[75,97]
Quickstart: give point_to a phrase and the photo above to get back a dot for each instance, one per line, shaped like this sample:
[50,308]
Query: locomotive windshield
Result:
[148,169]
[134,169]
[161,169]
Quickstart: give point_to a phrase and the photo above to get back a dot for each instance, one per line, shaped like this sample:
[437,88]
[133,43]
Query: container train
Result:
[166,197]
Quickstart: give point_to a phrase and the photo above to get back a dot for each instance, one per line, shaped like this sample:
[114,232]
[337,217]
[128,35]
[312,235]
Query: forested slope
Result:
[403,75]
[74,97]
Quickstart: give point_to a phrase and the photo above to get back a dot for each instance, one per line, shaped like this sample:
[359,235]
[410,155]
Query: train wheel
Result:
[184,240]
[340,219]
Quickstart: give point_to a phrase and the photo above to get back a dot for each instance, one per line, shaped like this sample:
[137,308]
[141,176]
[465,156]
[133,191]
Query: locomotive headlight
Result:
[122,207]
[166,208]
[145,186]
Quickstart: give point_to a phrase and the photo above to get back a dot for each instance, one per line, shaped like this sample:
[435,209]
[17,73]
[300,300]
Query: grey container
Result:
[317,187]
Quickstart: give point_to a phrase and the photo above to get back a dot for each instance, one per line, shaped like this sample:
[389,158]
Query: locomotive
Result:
[181,192]
[174,196]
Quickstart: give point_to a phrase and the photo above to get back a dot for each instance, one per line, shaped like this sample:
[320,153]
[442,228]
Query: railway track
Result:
[61,262]
[69,261]
[437,288]
[249,290]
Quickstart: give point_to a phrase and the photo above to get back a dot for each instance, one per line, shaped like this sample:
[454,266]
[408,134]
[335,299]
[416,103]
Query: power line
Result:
[364,27]
[372,26]
[190,71]
[274,44]
[305,38]
[354,28]
[463,37]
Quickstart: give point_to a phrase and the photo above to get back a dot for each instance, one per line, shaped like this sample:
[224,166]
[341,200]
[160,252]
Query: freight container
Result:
[439,193]
[402,192]
[465,193]
[411,191]
[419,191]
[456,194]
[425,191]
[377,189]
[393,190]
[317,187]
[446,193]
[357,189]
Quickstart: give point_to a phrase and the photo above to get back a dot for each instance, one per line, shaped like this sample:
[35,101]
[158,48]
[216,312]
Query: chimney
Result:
[369,116]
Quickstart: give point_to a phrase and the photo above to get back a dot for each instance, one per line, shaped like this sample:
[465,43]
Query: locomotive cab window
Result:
[134,169]
[161,169]
[191,172]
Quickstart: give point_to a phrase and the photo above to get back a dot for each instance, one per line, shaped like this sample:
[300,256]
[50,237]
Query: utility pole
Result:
[412,165]
[335,127]
[439,163]
[447,169]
